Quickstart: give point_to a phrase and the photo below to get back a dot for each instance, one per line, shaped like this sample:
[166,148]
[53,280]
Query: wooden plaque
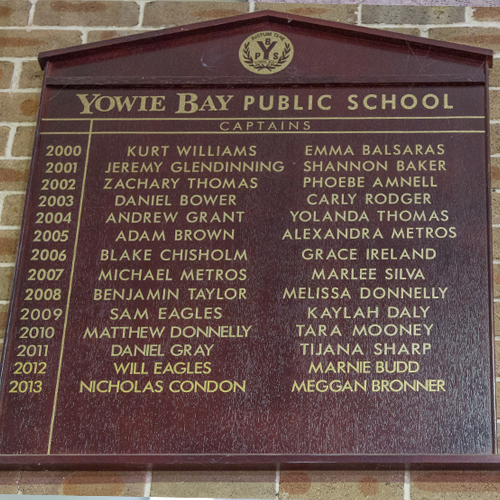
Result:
[254,241]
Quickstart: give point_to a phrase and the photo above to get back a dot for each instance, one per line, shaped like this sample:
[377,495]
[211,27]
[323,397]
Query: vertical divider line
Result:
[70,287]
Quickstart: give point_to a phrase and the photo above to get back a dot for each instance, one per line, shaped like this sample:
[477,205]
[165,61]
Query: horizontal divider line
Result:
[303,132]
[251,118]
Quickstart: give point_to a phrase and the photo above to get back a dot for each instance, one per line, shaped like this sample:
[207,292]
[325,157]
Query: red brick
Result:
[496,243]
[497,356]
[4,309]
[497,327]
[85,13]
[495,104]
[312,485]
[6,276]
[100,35]
[339,13]
[6,70]
[19,107]
[178,13]
[14,174]
[495,74]
[83,483]
[31,75]
[23,141]
[488,38]
[495,138]
[496,280]
[453,485]
[495,173]
[9,480]
[20,43]
[495,208]
[4,136]
[411,14]
[486,14]
[12,210]
[218,484]
[14,12]
[8,245]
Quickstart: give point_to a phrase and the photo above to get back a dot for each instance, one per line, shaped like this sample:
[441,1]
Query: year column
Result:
[42,293]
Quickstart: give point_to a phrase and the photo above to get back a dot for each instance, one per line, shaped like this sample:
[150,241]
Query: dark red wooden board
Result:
[281,252]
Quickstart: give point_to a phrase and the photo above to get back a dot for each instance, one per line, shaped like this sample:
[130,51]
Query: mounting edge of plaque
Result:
[248,462]
[467,66]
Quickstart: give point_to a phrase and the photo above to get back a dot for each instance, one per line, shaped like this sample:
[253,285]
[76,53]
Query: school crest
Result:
[266,52]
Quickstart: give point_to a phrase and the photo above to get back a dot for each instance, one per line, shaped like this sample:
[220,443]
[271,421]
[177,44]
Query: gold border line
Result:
[303,132]
[268,118]
[70,289]
[222,454]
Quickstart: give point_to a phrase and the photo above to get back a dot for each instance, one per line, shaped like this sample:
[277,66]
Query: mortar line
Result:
[407,483]
[8,192]
[16,76]
[17,90]
[2,200]
[15,59]
[48,28]
[277,483]
[89,29]
[10,140]
[468,14]
[31,14]
[17,124]
[142,9]
[477,24]
[84,35]
[15,157]
[148,481]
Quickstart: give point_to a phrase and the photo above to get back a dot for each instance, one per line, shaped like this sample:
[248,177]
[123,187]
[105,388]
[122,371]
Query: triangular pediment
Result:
[321,51]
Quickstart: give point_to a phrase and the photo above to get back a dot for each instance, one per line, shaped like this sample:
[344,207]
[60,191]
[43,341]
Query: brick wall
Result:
[28,27]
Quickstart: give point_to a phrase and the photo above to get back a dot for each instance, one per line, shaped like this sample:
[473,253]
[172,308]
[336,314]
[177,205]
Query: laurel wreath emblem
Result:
[266,64]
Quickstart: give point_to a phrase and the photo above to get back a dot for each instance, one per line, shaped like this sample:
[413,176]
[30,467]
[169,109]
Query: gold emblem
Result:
[266,52]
